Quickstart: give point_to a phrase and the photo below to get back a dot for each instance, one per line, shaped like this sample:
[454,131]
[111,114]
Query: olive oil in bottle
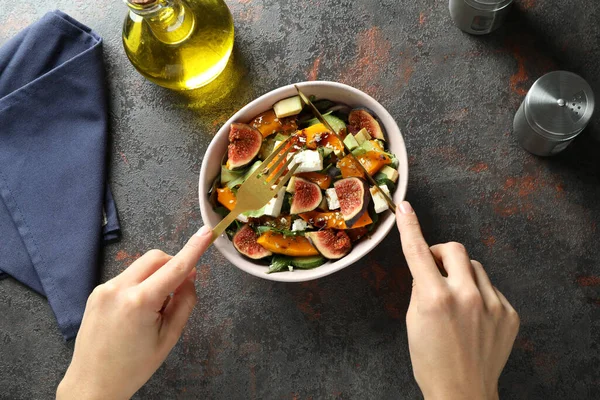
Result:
[178,44]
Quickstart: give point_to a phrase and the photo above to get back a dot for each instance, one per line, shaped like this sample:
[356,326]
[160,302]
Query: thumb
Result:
[171,275]
[179,309]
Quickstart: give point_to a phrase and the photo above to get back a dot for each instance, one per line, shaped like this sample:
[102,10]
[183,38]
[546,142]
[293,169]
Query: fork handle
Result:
[221,226]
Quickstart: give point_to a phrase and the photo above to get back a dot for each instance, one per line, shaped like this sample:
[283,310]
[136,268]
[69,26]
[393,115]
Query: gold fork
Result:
[261,186]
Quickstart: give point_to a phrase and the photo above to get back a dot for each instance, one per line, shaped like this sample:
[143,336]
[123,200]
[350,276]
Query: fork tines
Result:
[272,168]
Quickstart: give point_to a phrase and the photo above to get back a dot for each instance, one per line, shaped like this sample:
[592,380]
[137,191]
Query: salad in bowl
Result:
[328,207]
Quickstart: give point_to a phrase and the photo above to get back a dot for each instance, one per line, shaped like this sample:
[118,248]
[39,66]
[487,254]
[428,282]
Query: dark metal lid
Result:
[559,103]
[489,5]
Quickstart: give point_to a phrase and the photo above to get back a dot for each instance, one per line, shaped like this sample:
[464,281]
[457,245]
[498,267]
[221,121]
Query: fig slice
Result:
[331,244]
[353,196]
[245,242]
[244,145]
[307,196]
[360,118]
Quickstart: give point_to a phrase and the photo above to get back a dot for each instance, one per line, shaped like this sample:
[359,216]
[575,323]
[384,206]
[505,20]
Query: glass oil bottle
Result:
[178,44]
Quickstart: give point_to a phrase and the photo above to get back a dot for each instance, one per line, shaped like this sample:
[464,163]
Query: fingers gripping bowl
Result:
[338,94]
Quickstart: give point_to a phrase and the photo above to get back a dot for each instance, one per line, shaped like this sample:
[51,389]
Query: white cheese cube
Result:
[308,161]
[299,225]
[390,173]
[287,107]
[379,202]
[273,207]
[332,199]
[242,218]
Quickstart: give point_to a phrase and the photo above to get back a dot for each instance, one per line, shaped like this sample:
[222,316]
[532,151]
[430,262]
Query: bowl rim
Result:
[224,245]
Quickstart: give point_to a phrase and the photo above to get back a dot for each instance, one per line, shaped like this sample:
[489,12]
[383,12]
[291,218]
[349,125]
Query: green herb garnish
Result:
[279,263]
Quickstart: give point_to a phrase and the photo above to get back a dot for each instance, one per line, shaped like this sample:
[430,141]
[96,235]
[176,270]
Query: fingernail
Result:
[406,208]
[205,230]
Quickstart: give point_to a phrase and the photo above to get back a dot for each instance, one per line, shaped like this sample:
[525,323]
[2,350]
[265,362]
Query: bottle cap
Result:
[559,103]
[142,2]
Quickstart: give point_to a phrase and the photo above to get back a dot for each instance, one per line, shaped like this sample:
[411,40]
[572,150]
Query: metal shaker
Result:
[556,109]
[479,17]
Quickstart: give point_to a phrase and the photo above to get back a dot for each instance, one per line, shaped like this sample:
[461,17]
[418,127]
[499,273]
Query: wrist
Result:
[494,395]
[69,389]
[460,393]
[463,396]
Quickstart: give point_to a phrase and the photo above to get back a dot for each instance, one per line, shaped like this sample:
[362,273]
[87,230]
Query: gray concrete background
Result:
[532,222]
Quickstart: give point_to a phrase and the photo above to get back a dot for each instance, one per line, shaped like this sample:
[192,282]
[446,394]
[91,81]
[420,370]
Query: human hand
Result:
[461,329]
[131,323]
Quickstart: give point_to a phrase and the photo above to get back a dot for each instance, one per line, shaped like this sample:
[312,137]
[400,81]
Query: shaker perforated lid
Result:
[559,103]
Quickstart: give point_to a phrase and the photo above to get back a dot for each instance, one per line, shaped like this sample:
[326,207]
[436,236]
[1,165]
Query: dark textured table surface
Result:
[532,222]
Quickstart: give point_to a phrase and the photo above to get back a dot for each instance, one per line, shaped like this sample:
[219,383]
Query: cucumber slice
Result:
[268,145]
[325,151]
[314,121]
[228,175]
[336,123]
[281,137]
[364,147]
[308,262]
[332,120]
[241,179]
[255,213]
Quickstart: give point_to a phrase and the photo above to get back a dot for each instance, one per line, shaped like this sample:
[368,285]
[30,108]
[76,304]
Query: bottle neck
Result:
[171,21]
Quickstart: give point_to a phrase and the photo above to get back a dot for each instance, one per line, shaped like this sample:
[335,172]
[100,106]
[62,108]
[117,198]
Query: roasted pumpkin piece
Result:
[314,134]
[227,198]
[356,234]
[376,144]
[318,135]
[333,142]
[295,246]
[323,180]
[373,161]
[364,220]
[281,222]
[333,220]
[267,123]
[348,168]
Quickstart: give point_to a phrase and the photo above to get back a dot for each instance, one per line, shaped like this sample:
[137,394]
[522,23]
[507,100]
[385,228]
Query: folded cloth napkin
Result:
[55,206]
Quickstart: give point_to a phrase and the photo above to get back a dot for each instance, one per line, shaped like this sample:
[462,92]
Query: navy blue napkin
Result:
[56,208]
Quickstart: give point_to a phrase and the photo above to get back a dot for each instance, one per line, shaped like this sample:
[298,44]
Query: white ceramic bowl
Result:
[336,92]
